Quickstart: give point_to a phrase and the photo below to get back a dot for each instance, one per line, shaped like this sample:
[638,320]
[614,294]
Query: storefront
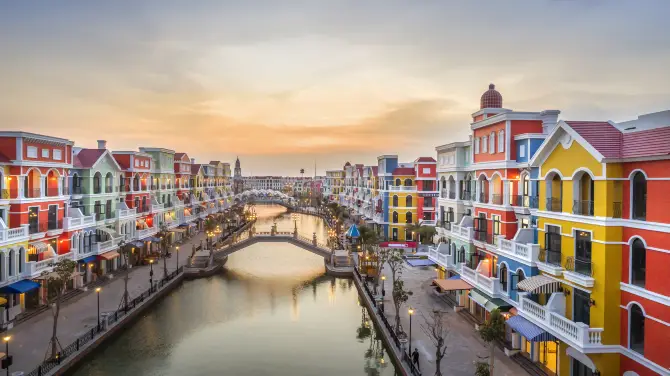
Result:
[16,295]
[109,262]
[481,304]
[533,342]
[453,288]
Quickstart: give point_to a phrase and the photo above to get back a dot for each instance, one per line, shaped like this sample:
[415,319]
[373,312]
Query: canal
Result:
[272,311]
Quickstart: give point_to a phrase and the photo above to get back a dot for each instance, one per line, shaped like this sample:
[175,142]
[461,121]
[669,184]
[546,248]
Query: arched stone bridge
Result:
[252,237]
[264,196]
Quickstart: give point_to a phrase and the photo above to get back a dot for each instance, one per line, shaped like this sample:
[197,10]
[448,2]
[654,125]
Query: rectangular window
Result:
[496,224]
[58,155]
[476,145]
[485,144]
[522,151]
[45,153]
[501,141]
[31,152]
[582,252]
[137,163]
[492,142]
[426,170]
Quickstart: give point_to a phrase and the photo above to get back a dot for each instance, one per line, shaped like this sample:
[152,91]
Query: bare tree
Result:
[125,254]
[164,237]
[491,331]
[382,255]
[400,297]
[395,263]
[437,330]
[57,282]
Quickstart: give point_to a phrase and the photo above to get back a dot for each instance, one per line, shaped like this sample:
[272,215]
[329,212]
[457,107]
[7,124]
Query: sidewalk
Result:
[463,343]
[30,339]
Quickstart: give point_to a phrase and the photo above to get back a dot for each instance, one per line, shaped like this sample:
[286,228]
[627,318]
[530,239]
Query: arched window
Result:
[639,203]
[395,200]
[461,255]
[408,217]
[408,182]
[97,184]
[503,277]
[397,182]
[492,143]
[395,217]
[22,259]
[501,141]
[636,340]
[444,182]
[521,275]
[638,263]
[408,201]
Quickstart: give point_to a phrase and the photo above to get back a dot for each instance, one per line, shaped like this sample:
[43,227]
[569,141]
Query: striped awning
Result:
[539,284]
[529,330]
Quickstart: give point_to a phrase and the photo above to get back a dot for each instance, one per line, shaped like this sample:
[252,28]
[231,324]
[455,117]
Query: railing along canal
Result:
[394,337]
[110,319]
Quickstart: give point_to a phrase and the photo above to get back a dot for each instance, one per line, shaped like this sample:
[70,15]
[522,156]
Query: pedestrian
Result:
[415,358]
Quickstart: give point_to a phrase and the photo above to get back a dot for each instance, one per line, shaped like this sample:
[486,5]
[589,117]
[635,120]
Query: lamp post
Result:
[151,276]
[383,284]
[8,359]
[97,291]
[411,313]
[177,254]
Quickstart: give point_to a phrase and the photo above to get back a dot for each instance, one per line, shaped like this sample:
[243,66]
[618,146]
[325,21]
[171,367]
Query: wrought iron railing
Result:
[550,256]
[582,207]
[553,204]
[573,264]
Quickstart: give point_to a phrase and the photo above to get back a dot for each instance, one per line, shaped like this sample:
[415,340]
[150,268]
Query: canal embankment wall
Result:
[396,356]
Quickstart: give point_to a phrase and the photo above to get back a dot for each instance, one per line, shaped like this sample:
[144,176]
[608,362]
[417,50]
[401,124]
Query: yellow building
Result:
[403,203]
[580,259]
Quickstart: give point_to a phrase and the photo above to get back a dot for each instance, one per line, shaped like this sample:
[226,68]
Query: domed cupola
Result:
[491,98]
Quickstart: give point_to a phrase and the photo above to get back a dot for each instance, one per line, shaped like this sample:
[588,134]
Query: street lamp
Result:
[177,254]
[383,284]
[411,313]
[97,291]
[151,276]
[8,359]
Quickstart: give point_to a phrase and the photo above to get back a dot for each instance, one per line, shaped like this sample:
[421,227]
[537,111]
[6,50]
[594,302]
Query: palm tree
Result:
[368,237]
[425,233]
[164,237]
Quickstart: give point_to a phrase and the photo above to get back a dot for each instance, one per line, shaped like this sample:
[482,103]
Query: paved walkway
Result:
[30,339]
[464,344]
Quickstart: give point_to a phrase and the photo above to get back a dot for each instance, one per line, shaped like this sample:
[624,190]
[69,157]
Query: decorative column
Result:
[43,179]
[506,194]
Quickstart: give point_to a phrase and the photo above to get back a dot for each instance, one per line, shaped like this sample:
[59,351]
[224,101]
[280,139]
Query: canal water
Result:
[272,311]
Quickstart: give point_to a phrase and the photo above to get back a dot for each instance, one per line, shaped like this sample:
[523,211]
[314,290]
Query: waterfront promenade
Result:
[464,344]
[30,339]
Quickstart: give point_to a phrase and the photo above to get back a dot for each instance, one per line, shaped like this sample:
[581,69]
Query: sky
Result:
[291,84]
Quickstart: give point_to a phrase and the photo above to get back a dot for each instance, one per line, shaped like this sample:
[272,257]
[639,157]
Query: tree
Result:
[491,331]
[57,282]
[381,257]
[437,330]
[368,237]
[125,254]
[164,245]
[425,233]
[395,263]
[400,297]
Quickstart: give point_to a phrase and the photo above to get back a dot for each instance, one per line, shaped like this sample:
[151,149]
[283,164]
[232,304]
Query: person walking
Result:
[415,359]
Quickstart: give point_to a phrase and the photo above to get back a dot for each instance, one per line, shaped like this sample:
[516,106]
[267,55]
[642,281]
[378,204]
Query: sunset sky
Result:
[283,84]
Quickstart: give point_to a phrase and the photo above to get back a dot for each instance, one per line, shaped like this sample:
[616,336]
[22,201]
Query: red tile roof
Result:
[612,143]
[647,143]
[3,158]
[426,159]
[86,158]
[374,170]
[195,168]
[404,171]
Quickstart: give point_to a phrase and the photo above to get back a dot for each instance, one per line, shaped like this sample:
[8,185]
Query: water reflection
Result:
[271,312]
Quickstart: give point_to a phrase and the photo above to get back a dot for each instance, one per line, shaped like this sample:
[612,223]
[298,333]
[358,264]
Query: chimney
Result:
[192,160]
[102,144]
[549,120]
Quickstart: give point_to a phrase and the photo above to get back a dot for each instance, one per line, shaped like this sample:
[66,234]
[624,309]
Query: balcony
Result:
[444,193]
[428,222]
[11,235]
[462,231]
[484,198]
[485,237]
[33,193]
[440,255]
[549,261]
[77,221]
[146,232]
[54,226]
[489,285]
[109,189]
[527,252]
[579,271]
[497,199]
[143,208]
[402,188]
[126,213]
[33,269]
[577,334]
[189,218]
[553,204]
[466,196]
[77,190]
[37,228]
[582,207]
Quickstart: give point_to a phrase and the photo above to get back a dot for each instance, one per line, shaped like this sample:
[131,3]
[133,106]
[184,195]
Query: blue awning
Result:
[183,225]
[151,239]
[420,262]
[88,259]
[455,277]
[353,232]
[20,287]
[137,244]
[529,330]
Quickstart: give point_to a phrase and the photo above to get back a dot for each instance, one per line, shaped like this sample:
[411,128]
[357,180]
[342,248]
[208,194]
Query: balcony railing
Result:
[484,198]
[485,237]
[109,189]
[33,193]
[446,225]
[550,256]
[123,213]
[496,199]
[466,195]
[579,334]
[526,252]
[462,231]
[11,234]
[488,284]
[70,223]
[452,195]
[553,204]
[97,189]
[143,208]
[584,267]
[77,190]
[54,225]
[35,228]
[402,188]
[582,207]
[444,193]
